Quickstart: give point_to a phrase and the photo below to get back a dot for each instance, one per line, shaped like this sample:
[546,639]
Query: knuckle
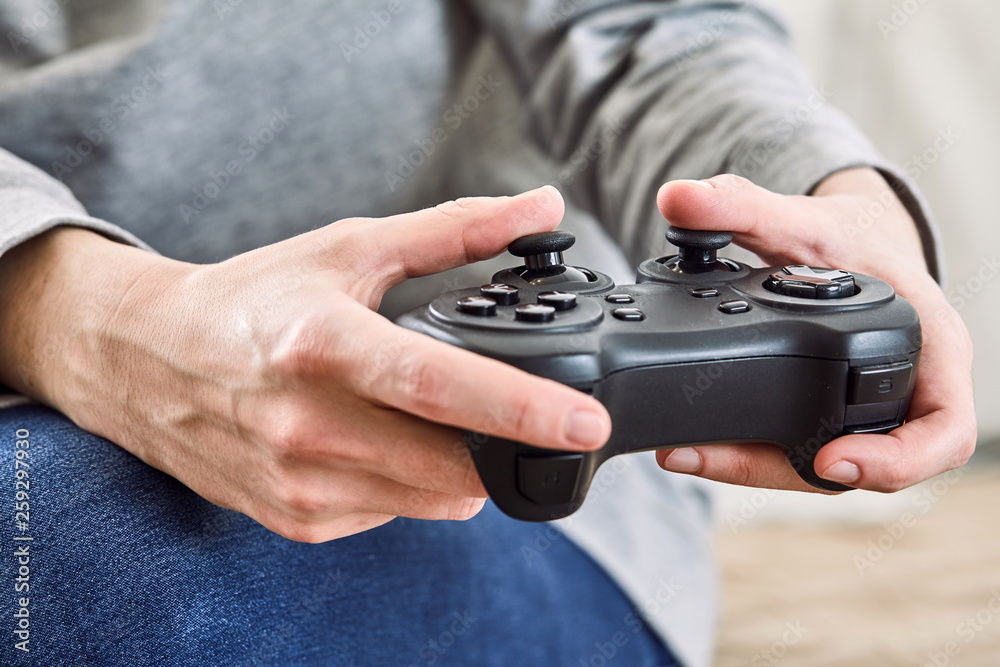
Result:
[518,419]
[895,480]
[456,207]
[303,531]
[421,384]
[299,349]
[742,469]
[294,499]
[733,181]
[967,448]
[463,509]
[287,439]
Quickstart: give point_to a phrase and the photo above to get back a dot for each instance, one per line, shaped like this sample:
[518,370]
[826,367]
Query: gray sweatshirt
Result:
[201,130]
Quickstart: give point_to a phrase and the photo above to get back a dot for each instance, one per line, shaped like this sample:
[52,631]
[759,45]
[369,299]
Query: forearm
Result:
[61,294]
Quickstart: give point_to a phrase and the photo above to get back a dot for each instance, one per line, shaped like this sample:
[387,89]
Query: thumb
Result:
[458,232]
[762,221]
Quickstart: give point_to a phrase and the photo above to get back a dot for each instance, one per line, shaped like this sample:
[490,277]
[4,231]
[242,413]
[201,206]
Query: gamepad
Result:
[700,350]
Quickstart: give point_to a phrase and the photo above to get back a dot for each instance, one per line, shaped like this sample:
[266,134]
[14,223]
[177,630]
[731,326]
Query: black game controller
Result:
[702,350]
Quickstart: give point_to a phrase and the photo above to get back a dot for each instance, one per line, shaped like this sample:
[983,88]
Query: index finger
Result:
[442,383]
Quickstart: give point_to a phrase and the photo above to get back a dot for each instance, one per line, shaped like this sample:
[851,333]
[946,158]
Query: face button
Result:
[558,300]
[534,312]
[734,307]
[808,283]
[629,314]
[619,298]
[705,292]
[477,305]
[504,295]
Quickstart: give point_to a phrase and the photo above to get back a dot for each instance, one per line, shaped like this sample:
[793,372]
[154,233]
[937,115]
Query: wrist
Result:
[61,296]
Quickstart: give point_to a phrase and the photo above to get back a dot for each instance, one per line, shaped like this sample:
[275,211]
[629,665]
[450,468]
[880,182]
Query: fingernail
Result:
[844,472]
[586,429]
[547,190]
[683,460]
[704,184]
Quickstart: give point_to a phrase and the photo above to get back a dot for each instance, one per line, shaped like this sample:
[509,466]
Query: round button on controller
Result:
[619,298]
[558,300]
[734,307]
[503,294]
[629,314]
[534,312]
[477,305]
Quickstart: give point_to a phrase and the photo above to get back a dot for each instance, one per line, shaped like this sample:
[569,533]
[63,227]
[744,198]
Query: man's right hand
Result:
[267,384]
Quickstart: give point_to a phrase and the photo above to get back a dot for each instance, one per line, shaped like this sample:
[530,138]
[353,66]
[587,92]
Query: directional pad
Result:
[806,282]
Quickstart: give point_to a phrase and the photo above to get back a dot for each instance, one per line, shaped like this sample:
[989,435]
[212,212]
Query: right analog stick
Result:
[697,250]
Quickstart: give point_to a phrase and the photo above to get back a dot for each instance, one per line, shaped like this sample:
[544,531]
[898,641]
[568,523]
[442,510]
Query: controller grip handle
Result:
[536,484]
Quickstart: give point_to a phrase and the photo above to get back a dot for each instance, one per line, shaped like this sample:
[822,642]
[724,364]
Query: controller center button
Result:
[805,282]
[558,300]
[619,298]
[734,307]
[534,312]
[629,314]
[549,480]
[503,294]
[477,305]
[705,292]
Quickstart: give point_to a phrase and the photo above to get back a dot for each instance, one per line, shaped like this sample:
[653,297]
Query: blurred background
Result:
[912,578]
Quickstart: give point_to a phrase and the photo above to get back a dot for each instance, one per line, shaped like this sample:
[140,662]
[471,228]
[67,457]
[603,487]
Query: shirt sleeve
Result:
[626,95]
[32,202]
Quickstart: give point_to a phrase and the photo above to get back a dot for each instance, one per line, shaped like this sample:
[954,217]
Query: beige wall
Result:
[905,70]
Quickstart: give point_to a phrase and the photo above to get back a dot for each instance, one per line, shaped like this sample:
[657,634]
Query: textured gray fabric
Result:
[207,129]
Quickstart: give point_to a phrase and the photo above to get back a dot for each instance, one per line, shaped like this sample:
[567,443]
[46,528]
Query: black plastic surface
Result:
[793,372]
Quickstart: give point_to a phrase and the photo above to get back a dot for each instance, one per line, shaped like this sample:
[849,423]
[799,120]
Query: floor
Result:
[906,580]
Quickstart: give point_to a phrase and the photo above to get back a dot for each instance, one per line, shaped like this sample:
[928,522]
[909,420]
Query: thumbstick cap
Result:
[698,240]
[542,244]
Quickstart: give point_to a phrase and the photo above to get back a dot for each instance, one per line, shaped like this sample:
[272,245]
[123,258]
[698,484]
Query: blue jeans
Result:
[110,562]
